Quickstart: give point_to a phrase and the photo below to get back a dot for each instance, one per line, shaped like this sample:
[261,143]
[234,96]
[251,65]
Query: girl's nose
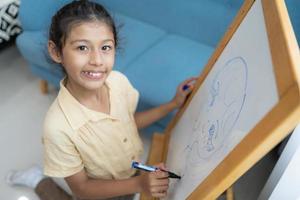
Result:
[96,58]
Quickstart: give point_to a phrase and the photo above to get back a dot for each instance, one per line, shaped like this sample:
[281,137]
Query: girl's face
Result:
[88,55]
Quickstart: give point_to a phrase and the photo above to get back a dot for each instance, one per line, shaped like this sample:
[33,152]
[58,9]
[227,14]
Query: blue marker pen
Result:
[185,87]
[138,165]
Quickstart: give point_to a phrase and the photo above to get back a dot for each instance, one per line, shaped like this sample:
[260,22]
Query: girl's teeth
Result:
[93,74]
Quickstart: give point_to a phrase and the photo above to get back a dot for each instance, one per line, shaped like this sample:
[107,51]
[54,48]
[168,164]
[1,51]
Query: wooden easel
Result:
[274,126]
[156,155]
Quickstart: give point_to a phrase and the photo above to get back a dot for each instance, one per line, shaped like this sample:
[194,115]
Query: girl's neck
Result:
[97,100]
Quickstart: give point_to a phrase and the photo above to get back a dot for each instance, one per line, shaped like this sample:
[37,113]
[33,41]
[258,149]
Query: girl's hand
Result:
[156,183]
[181,94]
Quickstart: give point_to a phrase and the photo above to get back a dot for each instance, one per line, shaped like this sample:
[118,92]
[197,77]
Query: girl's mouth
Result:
[94,75]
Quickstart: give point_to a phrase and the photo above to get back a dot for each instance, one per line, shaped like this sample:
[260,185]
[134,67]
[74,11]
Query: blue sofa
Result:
[163,42]
[293,7]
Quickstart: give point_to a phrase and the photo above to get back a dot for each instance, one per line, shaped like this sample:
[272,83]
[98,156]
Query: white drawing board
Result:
[237,94]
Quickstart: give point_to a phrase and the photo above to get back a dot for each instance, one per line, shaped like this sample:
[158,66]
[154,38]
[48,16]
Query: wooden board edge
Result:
[283,44]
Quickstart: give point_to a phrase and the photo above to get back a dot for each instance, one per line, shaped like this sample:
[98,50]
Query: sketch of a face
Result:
[215,121]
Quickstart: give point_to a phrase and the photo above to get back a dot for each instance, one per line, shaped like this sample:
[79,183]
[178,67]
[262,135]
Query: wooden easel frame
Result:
[156,156]
[274,127]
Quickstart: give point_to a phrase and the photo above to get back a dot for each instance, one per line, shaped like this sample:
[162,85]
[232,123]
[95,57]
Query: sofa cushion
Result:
[33,46]
[204,21]
[157,72]
[51,76]
[135,38]
[36,15]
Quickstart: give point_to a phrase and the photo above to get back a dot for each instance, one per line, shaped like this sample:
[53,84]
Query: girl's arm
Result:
[152,183]
[145,118]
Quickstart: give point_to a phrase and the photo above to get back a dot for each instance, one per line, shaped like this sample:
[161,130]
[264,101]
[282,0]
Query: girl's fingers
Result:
[159,191]
[162,182]
[159,183]
[160,165]
[159,175]
[188,82]
[159,178]
[160,194]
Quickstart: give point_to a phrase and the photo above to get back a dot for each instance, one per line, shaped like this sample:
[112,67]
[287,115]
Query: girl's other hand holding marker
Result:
[183,90]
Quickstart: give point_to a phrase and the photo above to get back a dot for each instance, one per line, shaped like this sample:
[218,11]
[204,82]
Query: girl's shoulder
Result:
[55,120]
[116,76]
[117,79]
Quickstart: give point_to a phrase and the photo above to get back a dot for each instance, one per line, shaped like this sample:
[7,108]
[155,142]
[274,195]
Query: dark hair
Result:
[74,13]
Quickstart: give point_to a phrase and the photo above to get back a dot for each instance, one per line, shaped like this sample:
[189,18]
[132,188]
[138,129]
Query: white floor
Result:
[23,108]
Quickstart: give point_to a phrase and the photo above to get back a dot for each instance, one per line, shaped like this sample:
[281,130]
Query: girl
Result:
[90,131]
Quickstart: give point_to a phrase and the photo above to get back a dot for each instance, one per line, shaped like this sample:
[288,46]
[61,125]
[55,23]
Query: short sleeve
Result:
[61,159]
[131,94]
[132,97]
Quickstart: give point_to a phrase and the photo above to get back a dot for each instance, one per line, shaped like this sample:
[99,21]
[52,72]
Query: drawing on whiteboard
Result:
[216,118]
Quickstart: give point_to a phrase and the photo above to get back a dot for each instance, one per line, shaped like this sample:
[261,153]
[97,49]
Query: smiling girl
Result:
[91,130]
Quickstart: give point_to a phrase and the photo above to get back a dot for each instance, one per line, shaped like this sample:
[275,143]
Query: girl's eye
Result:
[106,48]
[82,48]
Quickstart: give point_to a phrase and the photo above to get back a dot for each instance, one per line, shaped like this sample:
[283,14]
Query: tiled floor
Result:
[22,110]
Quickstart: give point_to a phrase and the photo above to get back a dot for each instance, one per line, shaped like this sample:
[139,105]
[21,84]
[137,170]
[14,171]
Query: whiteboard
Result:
[237,93]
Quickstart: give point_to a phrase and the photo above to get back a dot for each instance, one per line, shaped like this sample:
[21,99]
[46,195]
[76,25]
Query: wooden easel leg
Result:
[229,194]
[155,156]
[44,86]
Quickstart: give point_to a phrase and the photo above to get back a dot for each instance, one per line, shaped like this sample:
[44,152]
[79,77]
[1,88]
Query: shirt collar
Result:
[76,113]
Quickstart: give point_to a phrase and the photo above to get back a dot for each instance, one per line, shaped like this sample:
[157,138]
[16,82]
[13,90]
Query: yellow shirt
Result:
[76,137]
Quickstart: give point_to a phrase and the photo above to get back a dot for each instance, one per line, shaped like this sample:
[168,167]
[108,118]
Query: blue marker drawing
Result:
[214,91]
[217,118]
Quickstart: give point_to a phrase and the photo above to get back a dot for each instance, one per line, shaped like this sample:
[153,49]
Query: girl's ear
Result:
[54,52]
